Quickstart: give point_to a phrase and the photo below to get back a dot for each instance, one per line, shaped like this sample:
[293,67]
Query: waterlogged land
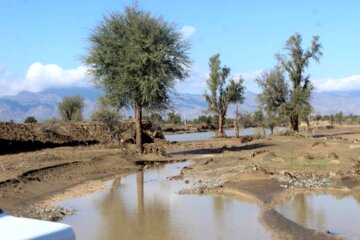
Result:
[146,205]
[267,172]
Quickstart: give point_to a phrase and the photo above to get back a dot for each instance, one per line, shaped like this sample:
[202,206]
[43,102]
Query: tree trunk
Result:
[294,121]
[236,128]
[138,128]
[220,132]
[236,123]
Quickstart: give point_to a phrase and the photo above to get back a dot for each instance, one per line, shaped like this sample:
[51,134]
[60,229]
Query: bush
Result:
[71,108]
[155,119]
[174,118]
[203,119]
[110,117]
[106,116]
[30,119]
[246,120]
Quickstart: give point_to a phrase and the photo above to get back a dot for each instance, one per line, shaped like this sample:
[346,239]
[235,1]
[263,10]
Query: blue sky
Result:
[42,41]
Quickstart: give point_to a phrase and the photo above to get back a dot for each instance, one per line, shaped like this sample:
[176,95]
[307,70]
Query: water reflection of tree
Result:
[344,194]
[150,220]
[305,213]
[218,206]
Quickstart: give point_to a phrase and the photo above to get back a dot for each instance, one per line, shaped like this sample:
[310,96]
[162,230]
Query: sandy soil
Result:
[265,170]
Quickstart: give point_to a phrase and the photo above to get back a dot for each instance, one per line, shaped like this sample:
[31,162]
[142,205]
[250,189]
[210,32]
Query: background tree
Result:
[30,119]
[71,108]
[109,116]
[246,120]
[156,120]
[204,119]
[174,118]
[274,96]
[137,58]
[295,62]
[259,121]
[259,118]
[223,91]
[317,118]
[339,117]
[237,122]
[305,114]
[332,118]
[106,115]
[215,121]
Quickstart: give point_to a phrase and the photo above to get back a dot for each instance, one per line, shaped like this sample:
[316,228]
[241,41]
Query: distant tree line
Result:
[338,118]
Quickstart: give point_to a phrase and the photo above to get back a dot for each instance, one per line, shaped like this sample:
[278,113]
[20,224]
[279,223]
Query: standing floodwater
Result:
[208,135]
[338,214]
[146,205]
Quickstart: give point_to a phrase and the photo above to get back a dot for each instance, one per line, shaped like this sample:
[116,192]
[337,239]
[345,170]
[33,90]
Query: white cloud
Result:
[188,31]
[42,76]
[346,83]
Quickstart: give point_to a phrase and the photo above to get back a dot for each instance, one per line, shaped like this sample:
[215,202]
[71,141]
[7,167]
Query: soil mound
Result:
[27,137]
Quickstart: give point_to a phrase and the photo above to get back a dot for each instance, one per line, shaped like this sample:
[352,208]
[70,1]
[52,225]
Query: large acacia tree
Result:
[223,90]
[137,58]
[295,61]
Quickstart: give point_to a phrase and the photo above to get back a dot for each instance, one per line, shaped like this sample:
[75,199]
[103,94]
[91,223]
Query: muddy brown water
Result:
[333,212]
[146,205]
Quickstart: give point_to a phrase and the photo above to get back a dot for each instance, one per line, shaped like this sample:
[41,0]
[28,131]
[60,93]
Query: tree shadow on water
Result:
[221,149]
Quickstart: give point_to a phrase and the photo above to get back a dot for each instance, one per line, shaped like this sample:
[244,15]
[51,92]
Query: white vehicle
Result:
[15,228]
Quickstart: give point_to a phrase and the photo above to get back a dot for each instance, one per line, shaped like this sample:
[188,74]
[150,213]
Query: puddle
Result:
[146,206]
[337,214]
[207,135]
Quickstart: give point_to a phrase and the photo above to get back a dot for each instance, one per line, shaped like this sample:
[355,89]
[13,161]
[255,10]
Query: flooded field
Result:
[146,205]
[332,213]
[207,135]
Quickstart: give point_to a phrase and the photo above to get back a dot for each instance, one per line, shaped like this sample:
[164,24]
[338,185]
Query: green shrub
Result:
[30,119]
[71,108]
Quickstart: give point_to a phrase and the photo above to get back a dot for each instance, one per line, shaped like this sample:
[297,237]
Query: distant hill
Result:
[193,105]
[43,105]
[332,102]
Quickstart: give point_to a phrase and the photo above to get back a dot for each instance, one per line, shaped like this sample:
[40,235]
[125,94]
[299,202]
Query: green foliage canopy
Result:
[295,61]
[274,96]
[30,119]
[275,90]
[136,58]
[71,108]
[174,118]
[223,90]
[106,115]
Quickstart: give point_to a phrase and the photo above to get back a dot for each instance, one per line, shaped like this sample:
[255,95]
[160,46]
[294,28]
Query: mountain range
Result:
[43,105]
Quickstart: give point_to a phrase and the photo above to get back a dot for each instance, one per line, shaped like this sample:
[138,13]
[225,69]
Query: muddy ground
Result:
[265,170]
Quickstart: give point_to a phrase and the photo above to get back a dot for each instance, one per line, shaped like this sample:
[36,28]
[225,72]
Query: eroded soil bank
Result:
[17,138]
[264,170]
